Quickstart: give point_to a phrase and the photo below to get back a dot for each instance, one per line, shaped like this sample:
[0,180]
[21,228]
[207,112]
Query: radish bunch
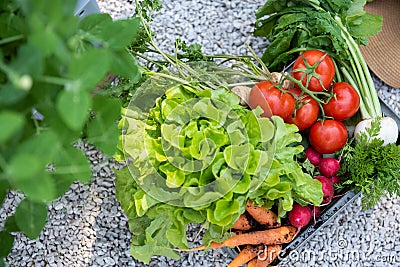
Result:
[328,168]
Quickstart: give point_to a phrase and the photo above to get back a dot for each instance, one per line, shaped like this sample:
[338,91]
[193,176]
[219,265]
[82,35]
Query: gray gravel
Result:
[87,227]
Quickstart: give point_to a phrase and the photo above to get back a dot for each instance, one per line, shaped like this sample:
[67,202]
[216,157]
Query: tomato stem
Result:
[313,95]
[310,71]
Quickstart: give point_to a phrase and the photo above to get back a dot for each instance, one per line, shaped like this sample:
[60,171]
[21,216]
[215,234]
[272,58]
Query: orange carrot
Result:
[265,258]
[281,235]
[244,223]
[263,216]
[245,255]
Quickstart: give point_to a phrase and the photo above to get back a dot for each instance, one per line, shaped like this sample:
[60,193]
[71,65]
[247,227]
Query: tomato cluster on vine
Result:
[314,102]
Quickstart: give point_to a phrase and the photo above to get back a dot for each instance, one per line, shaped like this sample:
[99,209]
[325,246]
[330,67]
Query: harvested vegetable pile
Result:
[198,156]
[204,148]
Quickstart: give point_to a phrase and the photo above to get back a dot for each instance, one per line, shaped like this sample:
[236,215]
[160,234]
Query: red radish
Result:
[327,188]
[329,166]
[299,216]
[313,156]
[335,179]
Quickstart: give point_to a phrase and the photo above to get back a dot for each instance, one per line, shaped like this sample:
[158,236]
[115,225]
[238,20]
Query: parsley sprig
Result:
[370,167]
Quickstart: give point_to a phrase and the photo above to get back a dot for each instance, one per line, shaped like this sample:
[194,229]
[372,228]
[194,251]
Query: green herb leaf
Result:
[71,165]
[120,33]
[127,187]
[6,243]
[13,121]
[4,187]
[73,107]
[84,80]
[46,144]
[32,167]
[11,225]
[38,188]
[156,242]
[365,25]
[372,168]
[51,65]
[102,129]
[31,217]
[125,64]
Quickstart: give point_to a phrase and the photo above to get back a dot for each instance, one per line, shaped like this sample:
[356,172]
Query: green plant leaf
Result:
[126,187]
[31,217]
[41,36]
[6,243]
[11,225]
[4,187]
[73,107]
[71,165]
[156,242]
[12,122]
[237,156]
[121,33]
[31,167]
[225,208]
[94,24]
[38,188]
[45,145]
[85,70]
[365,25]
[124,64]
[30,60]
[278,191]
[103,129]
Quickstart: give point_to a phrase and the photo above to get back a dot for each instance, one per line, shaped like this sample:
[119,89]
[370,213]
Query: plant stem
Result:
[11,39]
[166,76]
[338,75]
[351,81]
[146,28]
[370,105]
[53,80]
[242,84]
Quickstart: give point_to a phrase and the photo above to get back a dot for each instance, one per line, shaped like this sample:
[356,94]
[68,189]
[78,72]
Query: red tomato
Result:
[328,136]
[307,114]
[272,100]
[344,104]
[325,70]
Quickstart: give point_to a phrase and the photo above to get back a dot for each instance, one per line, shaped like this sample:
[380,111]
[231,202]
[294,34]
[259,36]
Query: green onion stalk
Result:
[359,76]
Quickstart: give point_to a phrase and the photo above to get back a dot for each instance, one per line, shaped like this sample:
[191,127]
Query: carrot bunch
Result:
[258,236]
[264,235]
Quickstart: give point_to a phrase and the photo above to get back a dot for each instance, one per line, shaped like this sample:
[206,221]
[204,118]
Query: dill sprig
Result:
[371,167]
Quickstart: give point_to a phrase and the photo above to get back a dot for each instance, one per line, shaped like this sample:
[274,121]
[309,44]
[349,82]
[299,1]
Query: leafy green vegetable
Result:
[372,168]
[286,182]
[290,29]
